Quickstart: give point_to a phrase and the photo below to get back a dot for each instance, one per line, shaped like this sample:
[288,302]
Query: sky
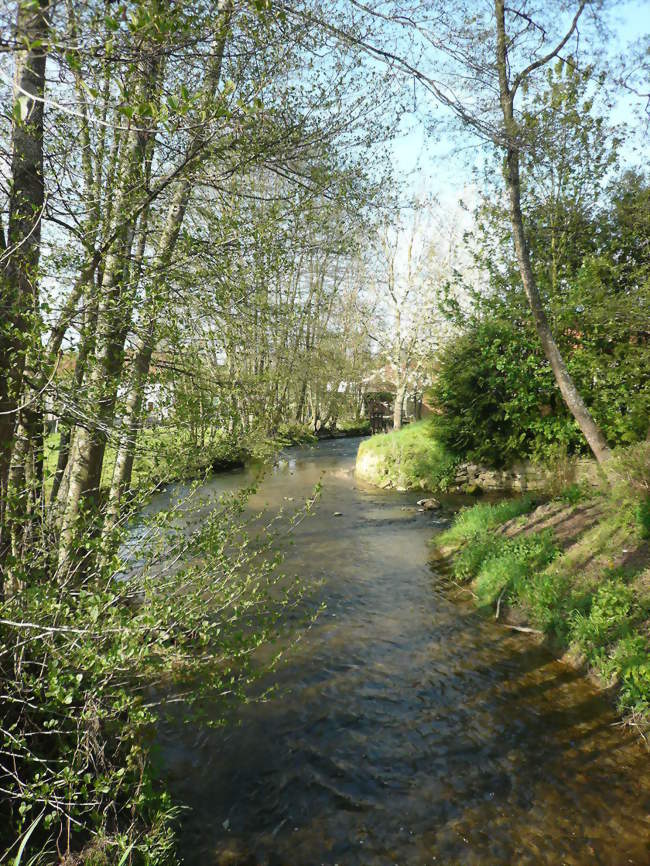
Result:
[442,166]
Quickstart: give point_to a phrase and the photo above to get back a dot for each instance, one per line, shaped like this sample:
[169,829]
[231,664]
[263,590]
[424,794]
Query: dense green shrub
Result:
[492,382]
[643,517]
[507,570]
[500,402]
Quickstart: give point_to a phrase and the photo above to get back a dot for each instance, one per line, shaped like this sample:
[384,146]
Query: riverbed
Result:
[407,728]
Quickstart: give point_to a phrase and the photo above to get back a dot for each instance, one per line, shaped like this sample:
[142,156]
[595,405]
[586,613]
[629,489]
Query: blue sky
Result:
[442,165]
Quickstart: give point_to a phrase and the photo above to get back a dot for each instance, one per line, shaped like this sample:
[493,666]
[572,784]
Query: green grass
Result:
[410,457]
[473,521]
[579,598]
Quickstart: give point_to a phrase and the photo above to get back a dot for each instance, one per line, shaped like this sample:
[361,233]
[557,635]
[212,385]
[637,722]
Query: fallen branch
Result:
[523,628]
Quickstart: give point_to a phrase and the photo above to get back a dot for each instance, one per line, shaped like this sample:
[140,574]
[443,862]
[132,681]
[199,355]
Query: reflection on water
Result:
[407,729]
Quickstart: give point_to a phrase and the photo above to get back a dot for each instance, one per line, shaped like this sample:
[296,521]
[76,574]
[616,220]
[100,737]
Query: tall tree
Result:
[21,246]
[475,61]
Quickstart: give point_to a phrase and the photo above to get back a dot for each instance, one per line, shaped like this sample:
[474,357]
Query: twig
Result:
[498,610]
[523,628]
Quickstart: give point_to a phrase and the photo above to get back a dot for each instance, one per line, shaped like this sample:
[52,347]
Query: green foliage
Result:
[608,616]
[492,382]
[506,571]
[468,561]
[606,619]
[642,515]
[410,457]
[85,675]
[630,663]
[632,467]
[572,494]
[294,433]
[354,426]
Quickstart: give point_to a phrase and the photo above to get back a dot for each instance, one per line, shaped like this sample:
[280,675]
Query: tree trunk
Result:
[123,468]
[570,393]
[18,302]
[397,406]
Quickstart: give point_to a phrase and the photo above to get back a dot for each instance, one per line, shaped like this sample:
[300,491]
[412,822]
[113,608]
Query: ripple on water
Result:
[406,729]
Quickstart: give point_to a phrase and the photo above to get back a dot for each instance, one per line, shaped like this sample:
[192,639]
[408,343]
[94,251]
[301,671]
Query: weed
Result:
[572,494]
[509,570]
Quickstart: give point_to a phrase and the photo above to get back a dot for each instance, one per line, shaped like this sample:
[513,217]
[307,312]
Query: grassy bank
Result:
[576,570]
[406,459]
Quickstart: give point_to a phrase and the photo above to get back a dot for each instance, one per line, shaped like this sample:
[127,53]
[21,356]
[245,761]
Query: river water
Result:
[407,728]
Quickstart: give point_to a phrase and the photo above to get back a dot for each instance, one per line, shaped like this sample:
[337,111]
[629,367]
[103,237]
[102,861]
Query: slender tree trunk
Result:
[18,301]
[400,392]
[123,468]
[570,393]
[113,321]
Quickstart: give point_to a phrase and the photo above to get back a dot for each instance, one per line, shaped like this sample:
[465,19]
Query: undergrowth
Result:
[410,457]
[579,598]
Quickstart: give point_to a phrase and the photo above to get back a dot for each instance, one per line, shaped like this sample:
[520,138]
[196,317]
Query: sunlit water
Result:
[407,729]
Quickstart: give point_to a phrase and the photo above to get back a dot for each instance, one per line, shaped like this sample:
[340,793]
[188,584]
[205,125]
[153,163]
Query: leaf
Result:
[124,856]
[21,850]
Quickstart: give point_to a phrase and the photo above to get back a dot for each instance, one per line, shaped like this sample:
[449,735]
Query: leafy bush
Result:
[498,396]
[84,674]
[468,561]
[607,619]
[294,433]
[354,426]
[630,663]
[643,517]
[572,494]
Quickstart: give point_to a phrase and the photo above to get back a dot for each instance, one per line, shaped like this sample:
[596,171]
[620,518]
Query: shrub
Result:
[642,515]
[607,619]
[499,400]
[469,560]
[354,426]
[294,433]
[630,663]
[97,664]
[497,395]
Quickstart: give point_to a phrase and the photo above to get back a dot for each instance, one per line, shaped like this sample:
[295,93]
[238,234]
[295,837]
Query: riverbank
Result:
[406,459]
[414,458]
[574,572]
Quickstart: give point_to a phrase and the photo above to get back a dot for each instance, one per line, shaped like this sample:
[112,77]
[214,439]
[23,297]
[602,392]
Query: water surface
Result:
[408,729]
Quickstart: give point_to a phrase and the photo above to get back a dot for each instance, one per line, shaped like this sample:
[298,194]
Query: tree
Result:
[414,259]
[21,246]
[475,61]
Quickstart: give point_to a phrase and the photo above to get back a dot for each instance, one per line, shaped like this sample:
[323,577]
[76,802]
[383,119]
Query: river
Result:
[407,728]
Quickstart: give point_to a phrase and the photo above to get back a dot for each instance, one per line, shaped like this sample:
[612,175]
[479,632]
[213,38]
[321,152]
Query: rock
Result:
[429,504]
[338,514]
[473,489]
